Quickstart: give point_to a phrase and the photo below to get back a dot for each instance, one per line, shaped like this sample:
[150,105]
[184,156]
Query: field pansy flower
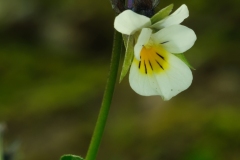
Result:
[155,70]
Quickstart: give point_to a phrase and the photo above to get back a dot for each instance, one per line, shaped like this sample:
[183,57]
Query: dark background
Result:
[54,61]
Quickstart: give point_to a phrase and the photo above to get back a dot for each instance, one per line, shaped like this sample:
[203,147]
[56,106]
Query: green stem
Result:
[1,147]
[1,142]
[107,98]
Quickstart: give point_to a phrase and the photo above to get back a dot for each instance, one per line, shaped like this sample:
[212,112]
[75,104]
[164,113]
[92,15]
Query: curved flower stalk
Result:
[155,68]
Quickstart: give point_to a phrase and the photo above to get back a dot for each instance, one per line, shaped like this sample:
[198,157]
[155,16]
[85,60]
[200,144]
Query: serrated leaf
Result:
[184,59]
[71,157]
[162,14]
[129,45]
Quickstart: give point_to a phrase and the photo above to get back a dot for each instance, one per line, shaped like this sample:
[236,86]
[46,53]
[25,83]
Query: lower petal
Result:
[174,79]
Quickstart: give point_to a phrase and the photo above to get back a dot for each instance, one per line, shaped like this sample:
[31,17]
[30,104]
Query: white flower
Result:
[155,69]
[128,22]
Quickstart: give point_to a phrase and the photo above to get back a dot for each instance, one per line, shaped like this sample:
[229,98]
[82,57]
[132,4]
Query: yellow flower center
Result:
[153,59]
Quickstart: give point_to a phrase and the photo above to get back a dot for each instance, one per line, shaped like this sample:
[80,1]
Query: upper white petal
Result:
[128,22]
[176,18]
[142,40]
[176,38]
[175,79]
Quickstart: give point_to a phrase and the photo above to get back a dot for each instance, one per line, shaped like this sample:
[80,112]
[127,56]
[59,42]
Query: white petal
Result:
[175,79]
[176,38]
[179,76]
[144,84]
[176,18]
[142,40]
[128,22]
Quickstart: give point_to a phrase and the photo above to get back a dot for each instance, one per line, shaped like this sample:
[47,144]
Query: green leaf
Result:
[71,157]
[162,14]
[129,43]
[183,58]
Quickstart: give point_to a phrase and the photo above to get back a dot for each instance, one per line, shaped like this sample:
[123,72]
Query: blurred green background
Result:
[54,61]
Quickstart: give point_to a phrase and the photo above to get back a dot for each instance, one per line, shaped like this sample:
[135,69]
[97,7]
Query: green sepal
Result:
[184,59]
[129,43]
[162,14]
[71,157]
